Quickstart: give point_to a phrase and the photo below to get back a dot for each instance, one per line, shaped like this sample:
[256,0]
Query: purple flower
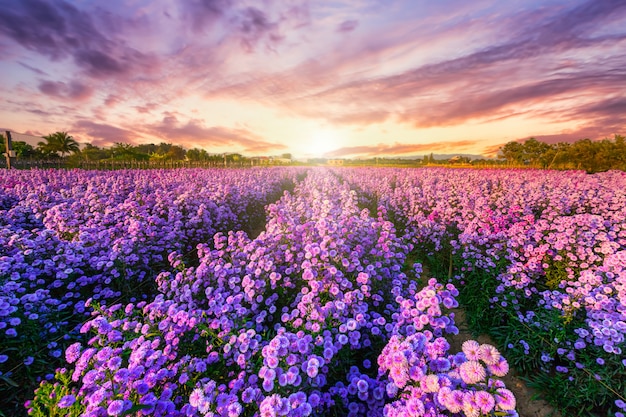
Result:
[72,353]
[362,386]
[67,401]
[115,408]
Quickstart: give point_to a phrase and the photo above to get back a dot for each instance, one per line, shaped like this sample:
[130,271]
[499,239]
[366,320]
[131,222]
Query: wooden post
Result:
[10,153]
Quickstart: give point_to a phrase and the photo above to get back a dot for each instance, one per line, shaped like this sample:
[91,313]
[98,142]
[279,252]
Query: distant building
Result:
[260,160]
[281,161]
[335,162]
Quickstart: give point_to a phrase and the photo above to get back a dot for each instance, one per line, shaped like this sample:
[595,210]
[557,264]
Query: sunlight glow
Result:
[322,141]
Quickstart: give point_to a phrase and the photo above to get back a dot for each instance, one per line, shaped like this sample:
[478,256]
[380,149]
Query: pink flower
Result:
[471,349]
[430,383]
[489,354]
[505,400]
[499,369]
[472,372]
[470,408]
[485,401]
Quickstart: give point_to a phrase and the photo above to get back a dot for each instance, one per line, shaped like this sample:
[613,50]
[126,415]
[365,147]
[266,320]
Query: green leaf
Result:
[9,381]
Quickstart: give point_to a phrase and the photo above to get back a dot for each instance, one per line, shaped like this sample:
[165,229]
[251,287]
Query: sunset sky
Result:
[351,78]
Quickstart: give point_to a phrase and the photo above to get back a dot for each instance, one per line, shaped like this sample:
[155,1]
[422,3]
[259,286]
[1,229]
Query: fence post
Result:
[8,145]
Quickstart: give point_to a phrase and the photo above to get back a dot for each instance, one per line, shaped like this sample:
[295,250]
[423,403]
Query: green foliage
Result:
[556,272]
[48,395]
[58,143]
[592,156]
[24,150]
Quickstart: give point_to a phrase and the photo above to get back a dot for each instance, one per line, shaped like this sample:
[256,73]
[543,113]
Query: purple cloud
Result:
[73,90]
[204,13]
[254,25]
[38,71]
[60,30]
[347,26]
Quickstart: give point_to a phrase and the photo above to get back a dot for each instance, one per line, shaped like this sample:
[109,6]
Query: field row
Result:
[539,258]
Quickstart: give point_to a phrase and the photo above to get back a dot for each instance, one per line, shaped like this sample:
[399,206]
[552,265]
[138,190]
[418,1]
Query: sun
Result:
[323,140]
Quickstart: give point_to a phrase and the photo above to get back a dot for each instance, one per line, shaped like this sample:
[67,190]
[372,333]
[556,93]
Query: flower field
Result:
[309,291]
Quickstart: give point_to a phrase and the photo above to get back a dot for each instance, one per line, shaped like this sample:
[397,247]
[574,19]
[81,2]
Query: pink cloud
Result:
[102,134]
[193,133]
[400,148]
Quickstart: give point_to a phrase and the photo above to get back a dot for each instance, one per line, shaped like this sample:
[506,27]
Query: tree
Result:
[176,153]
[531,152]
[558,155]
[58,143]
[535,151]
[127,152]
[164,151]
[25,150]
[512,152]
[196,154]
[93,153]
[620,151]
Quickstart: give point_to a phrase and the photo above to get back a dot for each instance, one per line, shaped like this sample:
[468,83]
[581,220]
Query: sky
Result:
[315,78]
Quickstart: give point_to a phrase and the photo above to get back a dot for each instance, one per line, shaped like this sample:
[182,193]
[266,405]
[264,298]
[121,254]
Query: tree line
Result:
[592,156]
[62,146]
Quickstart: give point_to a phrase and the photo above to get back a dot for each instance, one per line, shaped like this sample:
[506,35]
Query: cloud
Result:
[39,112]
[399,148]
[360,118]
[604,119]
[479,104]
[193,133]
[60,30]
[347,26]
[38,71]
[254,25]
[491,151]
[147,108]
[103,134]
[432,65]
[38,25]
[203,13]
[73,90]
[537,64]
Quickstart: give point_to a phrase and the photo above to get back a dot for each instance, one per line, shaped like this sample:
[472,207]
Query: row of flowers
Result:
[544,251]
[315,316]
[66,236]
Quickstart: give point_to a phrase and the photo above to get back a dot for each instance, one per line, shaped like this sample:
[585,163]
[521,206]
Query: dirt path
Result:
[526,405]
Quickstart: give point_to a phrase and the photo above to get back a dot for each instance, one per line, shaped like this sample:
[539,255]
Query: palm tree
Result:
[59,142]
